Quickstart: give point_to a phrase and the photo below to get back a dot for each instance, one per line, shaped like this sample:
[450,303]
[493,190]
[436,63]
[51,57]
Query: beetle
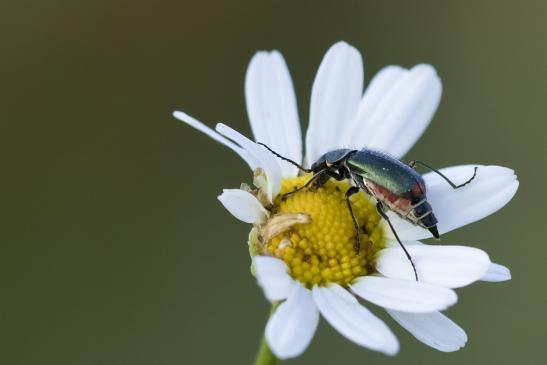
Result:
[396,186]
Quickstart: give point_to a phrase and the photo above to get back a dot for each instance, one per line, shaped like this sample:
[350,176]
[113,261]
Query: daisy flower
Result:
[302,246]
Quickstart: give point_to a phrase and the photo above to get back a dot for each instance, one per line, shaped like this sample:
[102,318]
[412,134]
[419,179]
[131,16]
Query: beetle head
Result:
[330,159]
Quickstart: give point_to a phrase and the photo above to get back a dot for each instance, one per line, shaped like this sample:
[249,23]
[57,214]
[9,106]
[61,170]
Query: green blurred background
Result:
[114,249]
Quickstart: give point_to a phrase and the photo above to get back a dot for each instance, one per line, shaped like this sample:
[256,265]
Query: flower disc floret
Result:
[323,250]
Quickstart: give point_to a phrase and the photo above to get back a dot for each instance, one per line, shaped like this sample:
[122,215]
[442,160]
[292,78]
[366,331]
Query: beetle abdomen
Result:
[418,212]
[398,204]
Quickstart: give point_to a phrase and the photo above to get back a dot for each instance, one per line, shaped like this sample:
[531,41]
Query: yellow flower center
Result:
[323,250]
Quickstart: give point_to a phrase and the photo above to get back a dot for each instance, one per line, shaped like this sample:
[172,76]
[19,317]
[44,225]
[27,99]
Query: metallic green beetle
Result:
[397,187]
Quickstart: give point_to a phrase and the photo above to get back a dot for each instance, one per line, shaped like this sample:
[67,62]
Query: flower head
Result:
[303,243]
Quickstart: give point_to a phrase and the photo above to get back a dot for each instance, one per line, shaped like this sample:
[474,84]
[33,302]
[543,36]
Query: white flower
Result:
[390,116]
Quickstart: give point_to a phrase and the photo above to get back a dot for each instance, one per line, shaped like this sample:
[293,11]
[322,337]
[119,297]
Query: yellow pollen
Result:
[323,250]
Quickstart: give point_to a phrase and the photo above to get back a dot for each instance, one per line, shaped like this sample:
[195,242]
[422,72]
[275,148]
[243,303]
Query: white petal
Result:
[449,266]
[291,328]
[273,277]
[358,130]
[492,188]
[433,329]
[264,159]
[396,109]
[336,92]
[404,295]
[191,121]
[271,107]
[496,273]
[354,321]
[243,205]
[391,242]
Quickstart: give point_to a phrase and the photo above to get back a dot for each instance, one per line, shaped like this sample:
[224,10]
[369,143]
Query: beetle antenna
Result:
[300,167]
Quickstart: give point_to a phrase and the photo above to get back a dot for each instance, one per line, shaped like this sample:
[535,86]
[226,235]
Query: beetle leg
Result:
[380,208]
[320,180]
[336,175]
[317,180]
[350,192]
[416,162]
[359,181]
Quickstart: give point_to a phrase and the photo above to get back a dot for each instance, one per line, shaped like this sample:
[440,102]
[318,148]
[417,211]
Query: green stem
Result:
[265,355]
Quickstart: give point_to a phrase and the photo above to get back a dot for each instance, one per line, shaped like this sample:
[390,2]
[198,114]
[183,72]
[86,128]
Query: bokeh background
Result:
[114,249]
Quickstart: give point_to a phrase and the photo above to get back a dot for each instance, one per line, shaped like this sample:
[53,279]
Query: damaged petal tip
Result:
[260,180]
[255,246]
[281,223]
